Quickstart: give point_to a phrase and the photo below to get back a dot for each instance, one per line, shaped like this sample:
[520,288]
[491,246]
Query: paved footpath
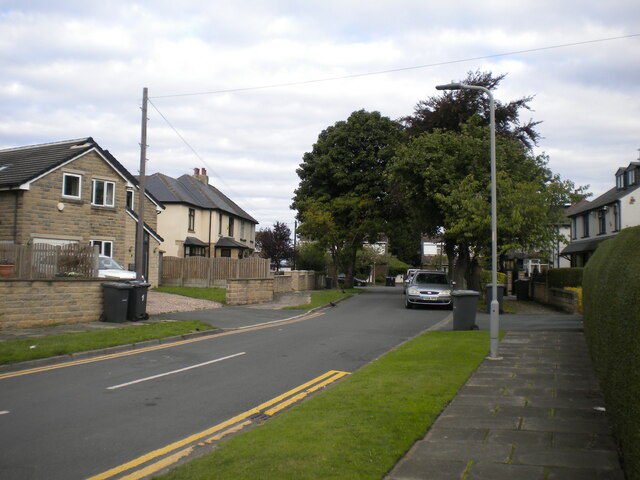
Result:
[536,414]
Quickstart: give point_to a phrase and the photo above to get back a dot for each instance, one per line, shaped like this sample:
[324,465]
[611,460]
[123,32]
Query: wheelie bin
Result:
[116,301]
[138,300]
[465,304]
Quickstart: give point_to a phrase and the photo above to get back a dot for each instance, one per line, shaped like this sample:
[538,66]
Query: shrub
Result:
[485,277]
[611,317]
[565,277]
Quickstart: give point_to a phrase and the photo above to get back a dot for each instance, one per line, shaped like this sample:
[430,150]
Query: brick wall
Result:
[246,291]
[565,300]
[38,303]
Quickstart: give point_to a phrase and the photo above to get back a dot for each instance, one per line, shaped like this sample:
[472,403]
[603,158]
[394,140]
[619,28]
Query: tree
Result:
[341,196]
[447,174]
[275,244]
[455,107]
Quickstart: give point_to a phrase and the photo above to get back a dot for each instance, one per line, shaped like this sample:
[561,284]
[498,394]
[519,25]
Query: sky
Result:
[243,89]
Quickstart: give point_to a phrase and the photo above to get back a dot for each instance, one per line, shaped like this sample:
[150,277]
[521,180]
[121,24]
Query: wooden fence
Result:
[210,272]
[41,262]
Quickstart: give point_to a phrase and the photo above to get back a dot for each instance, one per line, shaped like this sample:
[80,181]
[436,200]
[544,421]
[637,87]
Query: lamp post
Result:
[494,320]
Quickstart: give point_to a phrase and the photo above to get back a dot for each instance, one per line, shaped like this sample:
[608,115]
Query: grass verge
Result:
[12,351]
[358,428]
[214,294]
[323,297]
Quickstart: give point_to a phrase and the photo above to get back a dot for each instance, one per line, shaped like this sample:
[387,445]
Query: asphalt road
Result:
[79,421]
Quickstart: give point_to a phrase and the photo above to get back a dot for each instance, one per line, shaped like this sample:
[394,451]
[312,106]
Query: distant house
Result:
[74,191]
[602,218]
[199,219]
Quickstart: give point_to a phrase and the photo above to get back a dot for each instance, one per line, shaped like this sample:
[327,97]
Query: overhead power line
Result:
[400,69]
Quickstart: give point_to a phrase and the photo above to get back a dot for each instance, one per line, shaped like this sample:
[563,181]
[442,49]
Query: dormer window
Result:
[630,177]
[620,181]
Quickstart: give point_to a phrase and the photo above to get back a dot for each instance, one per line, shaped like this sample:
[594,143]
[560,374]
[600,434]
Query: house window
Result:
[616,218]
[602,221]
[130,199]
[619,182]
[192,219]
[103,193]
[585,225]
[574,228]
[219,224]
[105,247]
[631,178]
[225,252]
[231,226]
[71,185]
[242,237]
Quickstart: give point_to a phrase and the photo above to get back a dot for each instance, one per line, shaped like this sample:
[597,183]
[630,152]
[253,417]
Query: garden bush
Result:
[611,288]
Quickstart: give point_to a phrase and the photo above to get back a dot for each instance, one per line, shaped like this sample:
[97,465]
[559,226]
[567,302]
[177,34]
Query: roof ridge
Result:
[77,140]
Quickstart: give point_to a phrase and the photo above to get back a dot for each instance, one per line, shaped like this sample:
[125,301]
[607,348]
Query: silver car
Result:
[429,287]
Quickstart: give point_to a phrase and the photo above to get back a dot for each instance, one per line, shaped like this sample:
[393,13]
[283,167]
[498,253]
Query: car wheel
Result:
[407,304]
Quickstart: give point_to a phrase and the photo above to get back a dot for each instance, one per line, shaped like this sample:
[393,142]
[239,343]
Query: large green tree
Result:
[342,192]
[446,174]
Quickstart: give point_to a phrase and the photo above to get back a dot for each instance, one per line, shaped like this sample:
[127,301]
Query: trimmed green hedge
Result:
[565,277]
[611,287]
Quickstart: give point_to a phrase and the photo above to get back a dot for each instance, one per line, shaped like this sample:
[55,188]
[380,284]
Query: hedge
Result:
[565,277]
[611,287]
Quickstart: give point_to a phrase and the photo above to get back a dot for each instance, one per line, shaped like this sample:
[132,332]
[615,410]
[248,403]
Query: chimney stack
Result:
[201,176]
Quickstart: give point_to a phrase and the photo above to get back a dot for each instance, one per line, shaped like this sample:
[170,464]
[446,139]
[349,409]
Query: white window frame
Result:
[64,183]
[131,193]
[105,193]
[107,252]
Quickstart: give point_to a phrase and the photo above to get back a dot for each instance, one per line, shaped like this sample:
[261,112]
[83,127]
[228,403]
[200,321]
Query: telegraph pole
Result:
[141,195]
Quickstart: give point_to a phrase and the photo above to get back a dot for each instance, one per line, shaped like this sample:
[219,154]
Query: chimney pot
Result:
[196,171]
[204,171]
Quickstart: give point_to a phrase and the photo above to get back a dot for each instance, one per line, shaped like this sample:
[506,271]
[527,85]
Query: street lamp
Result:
[494,320]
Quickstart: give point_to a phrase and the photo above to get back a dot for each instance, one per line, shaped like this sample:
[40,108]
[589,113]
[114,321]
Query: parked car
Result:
[109,268]
[428,287]
[407,278]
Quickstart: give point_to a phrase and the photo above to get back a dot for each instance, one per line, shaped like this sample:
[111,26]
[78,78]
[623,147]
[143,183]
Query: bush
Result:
[611,287]
[311,256]
[485,277]
[565,277]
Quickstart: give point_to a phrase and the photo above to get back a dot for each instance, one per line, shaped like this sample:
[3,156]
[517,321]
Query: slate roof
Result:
[191,191]
[227,242]
[606,198]
[25,164]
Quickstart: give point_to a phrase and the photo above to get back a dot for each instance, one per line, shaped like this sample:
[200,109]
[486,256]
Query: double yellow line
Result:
[171,454]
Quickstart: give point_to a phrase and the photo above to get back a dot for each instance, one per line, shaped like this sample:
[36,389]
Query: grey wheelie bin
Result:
[116,301]
[501,290]
[138,300]
[465,304]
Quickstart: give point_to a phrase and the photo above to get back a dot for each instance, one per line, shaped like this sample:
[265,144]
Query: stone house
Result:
[75,191]
[602,218]
[199,220]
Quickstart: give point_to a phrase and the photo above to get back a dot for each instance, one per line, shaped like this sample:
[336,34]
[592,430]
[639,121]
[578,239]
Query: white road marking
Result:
[174,371]
[4,412]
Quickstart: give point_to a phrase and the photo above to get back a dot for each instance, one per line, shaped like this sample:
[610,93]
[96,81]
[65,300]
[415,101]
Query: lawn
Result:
[356,429]
[213,294]
[12,351]
[320,298]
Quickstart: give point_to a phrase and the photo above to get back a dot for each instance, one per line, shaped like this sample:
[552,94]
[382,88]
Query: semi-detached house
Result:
[602,218]
[199,220]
